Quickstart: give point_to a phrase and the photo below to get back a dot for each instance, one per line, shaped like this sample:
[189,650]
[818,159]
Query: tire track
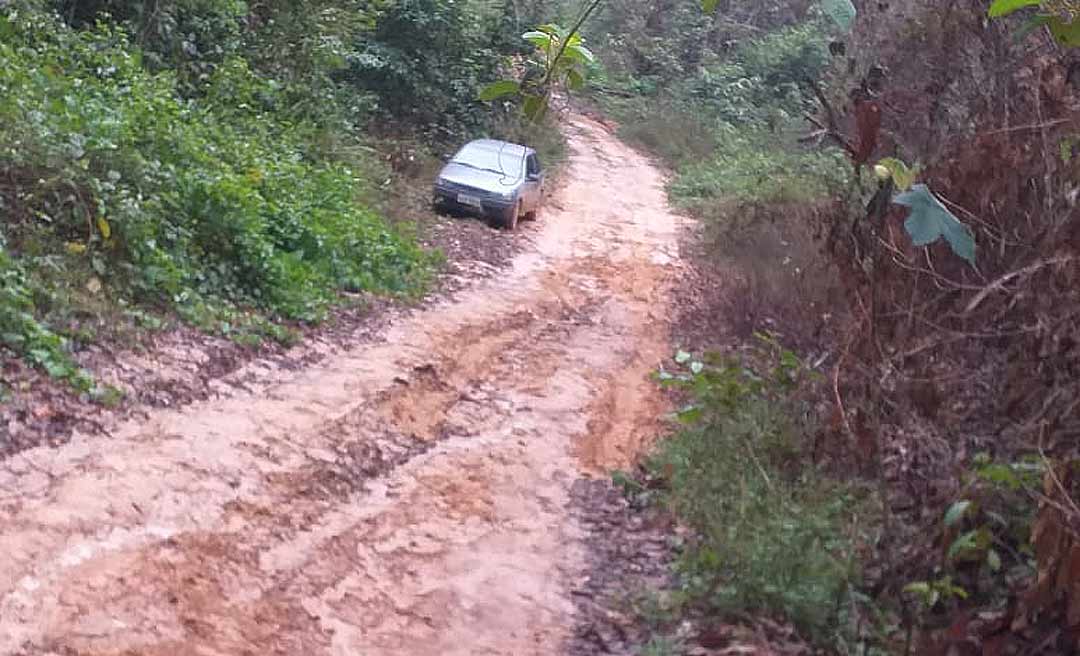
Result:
[409,497]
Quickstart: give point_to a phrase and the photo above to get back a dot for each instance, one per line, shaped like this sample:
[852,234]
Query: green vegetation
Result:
[728,126]
[772,116]
[723,103]
[562,61]
[748,168]
[210,159]
[772,533]
[177,201]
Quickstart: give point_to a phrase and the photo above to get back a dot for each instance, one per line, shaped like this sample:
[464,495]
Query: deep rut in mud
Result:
[408,497]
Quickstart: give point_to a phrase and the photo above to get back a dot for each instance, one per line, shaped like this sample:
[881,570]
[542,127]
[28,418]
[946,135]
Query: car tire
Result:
[440,205]
[533,215]
[510,217]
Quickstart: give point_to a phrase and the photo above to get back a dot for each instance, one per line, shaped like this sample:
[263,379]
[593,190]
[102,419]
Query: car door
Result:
[535,181]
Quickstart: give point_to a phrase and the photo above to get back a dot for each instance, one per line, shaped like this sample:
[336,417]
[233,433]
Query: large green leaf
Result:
[970,545]
[689,415]
[1067,33]
[709,5]
[534,107]
[841,11]
[930,220]
[538,38]
[499,89]
[903,175]
[579,53]
[965,543]
[956,512]
[1005,7]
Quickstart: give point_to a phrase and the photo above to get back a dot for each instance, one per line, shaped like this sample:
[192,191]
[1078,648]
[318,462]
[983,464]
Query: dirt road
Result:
[406,498]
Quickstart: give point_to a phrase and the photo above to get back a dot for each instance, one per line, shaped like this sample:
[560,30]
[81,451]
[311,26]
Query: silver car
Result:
[496,179]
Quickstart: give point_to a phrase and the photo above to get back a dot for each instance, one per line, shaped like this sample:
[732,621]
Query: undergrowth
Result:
[771,533]
[117,190]
[728,126]
[755,167]
[729,130]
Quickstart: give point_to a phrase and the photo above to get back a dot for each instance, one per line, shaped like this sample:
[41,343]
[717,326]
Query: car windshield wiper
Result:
[482,168]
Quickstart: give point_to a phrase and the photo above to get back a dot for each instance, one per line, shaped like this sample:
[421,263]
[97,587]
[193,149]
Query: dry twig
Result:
[999,283]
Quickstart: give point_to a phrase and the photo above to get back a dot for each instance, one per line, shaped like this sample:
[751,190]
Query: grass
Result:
[749,167]
[760,198]
[119,193]
[773,535]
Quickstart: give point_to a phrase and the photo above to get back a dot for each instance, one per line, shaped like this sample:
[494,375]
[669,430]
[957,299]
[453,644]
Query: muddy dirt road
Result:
[405,498]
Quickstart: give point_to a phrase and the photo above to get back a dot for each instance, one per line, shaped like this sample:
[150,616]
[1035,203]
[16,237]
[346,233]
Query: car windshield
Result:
[506,161]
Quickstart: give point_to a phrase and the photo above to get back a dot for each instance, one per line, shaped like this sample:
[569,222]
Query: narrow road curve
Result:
[405,498]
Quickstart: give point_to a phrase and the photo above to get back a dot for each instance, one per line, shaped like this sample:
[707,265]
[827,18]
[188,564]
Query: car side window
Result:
[533,165]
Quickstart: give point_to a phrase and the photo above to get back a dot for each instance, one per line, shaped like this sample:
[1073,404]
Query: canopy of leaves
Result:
[425,62]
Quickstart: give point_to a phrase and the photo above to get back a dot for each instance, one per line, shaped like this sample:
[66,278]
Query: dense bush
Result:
[753,167]
[425,61]
[772,534]
[974,425]
[726,123]
[764,82]
[20,330]
[192,37]
[213,198]
[114,180]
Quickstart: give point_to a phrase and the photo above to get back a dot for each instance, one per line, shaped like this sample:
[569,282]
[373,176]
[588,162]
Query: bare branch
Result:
[1000,282]
[832,126]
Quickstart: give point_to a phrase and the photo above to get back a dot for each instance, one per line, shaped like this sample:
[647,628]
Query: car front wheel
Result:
[510,217]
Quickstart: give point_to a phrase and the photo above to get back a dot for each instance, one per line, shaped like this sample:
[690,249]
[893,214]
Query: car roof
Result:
[497,146]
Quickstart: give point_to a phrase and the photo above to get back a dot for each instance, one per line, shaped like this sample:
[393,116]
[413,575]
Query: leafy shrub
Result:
[773,534]
[191,37]
[118,181]
[426,61]
[668,130]
[729,91]
[755,167]
[786,58]
[20,330]
[725,128]
[763,84]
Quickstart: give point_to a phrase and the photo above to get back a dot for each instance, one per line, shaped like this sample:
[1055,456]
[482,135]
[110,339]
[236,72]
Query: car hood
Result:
[490,181]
